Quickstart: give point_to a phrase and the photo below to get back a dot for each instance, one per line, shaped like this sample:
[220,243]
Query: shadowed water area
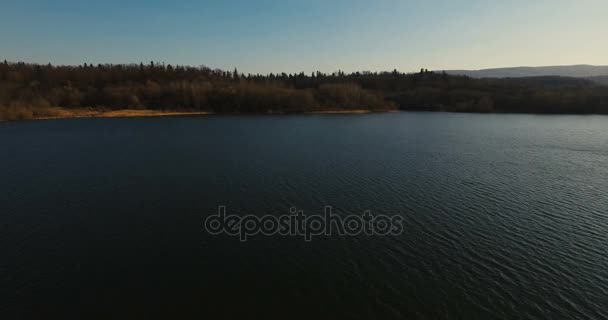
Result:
[505,216]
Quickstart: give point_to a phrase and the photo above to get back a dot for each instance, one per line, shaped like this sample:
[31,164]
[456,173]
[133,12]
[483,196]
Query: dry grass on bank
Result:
[22,112]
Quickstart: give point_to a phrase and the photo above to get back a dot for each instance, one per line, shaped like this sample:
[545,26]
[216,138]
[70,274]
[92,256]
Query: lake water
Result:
[506,216]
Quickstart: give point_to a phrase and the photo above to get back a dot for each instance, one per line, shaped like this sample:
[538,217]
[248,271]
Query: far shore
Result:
[66,113]
[356,111]
[122,113]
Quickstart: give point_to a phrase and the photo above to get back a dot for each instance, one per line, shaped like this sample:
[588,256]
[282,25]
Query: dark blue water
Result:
[506,216]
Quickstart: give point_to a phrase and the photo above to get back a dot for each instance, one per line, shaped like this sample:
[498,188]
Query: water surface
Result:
[506,216]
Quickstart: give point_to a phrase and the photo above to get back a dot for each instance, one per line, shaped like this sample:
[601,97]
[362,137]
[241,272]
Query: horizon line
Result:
[329,72]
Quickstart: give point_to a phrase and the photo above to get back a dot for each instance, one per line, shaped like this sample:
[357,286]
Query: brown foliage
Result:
[161,87]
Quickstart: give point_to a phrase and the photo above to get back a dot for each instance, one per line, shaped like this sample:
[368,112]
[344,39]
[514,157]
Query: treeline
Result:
[33,87]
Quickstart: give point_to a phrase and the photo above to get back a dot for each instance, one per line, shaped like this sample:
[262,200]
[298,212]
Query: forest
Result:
[33,90]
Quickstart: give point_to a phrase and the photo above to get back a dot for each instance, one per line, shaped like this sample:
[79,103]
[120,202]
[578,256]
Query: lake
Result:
[505,216]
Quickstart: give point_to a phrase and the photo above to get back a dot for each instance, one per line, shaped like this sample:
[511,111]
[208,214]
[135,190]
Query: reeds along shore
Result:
[36,91]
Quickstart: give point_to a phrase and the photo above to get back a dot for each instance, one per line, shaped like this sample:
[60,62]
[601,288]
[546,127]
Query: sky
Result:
[262,36]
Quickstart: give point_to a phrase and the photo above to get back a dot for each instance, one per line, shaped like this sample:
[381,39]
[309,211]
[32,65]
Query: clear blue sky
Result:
[291,36]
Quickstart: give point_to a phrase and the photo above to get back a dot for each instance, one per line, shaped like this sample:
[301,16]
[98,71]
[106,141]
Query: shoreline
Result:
[64,113]
[355,111]
[55,113]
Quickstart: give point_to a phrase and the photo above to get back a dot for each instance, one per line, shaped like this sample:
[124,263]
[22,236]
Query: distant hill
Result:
[603,80]
[576,71]
[554,82]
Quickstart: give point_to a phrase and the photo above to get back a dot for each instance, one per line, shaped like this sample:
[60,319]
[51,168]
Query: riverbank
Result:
[122,113]
[64,113]
[356,111]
